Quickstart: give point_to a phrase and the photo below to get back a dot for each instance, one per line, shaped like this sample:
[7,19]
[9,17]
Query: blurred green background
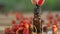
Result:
[26,5]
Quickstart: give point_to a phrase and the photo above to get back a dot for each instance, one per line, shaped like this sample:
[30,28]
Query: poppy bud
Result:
[40,2]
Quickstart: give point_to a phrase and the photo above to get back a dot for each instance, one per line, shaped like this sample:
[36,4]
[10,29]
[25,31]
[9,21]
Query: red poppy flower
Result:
[54,28]
[21,23]
[13,32]
[15,27]
[13,22]
[45,28]
[50,17]
[26,31]
[58,18]
[42,21]
[31,18]
[48,24]
[57,15]
[56,23]
[7,30]
[17,16]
